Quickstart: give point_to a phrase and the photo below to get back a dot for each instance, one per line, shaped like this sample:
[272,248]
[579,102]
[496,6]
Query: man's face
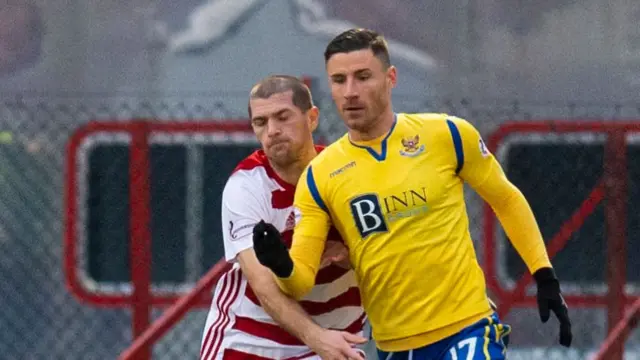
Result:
[281,127]
[360,87]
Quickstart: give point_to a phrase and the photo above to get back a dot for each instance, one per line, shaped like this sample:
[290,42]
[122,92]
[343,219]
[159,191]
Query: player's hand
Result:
[271,250]
[335,253]
[550,299]
[336,345]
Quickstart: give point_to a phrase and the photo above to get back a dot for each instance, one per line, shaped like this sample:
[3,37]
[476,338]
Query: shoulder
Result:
[257,159]
[423,117]
[249,177]
[437,124]
[248,191]
[330,155]
[328,161]
[431,119]
[462,125]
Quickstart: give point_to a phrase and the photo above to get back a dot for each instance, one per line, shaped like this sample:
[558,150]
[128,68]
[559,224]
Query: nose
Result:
[273,129]
[351,90]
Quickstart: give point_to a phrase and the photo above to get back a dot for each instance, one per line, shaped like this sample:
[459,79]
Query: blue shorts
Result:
[484,340]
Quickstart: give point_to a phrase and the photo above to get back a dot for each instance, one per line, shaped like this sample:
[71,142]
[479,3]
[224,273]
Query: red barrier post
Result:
[616,185]
[175,313]
[140,232]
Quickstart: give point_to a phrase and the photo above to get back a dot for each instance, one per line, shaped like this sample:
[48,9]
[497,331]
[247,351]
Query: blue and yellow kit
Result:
[398,203]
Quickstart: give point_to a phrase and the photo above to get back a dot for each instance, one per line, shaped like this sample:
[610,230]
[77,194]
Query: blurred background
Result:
[69,208]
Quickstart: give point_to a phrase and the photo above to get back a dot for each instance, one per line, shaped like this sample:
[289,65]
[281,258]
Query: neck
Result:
[292,172]
[381,126]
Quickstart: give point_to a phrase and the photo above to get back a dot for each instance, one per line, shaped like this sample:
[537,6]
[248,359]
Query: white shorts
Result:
[233,350]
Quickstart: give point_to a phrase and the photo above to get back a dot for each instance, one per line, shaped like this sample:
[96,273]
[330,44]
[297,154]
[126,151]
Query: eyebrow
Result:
[264,117]
[280,112]
[359,71]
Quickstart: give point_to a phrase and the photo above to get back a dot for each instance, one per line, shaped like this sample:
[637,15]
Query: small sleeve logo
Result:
[483,148]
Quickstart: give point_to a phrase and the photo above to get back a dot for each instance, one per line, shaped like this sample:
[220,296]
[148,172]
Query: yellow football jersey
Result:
[398,203]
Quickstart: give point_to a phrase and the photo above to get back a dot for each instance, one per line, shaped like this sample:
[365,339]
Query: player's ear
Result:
[392,76]
[313,115]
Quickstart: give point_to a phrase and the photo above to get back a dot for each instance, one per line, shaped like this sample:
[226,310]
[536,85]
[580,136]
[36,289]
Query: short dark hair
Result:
[275,84]
[359,39]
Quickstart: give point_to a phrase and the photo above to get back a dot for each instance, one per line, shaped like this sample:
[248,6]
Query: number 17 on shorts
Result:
[486,346]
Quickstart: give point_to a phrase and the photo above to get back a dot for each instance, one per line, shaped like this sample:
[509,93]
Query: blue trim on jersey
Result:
[383,147]
[457,144]
[311,183]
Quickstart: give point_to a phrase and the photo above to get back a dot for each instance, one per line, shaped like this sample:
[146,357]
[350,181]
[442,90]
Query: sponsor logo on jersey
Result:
[483,148]
[343,169]
[373,213]
[233,231]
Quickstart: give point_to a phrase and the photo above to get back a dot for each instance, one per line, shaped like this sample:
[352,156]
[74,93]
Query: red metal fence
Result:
[611,191]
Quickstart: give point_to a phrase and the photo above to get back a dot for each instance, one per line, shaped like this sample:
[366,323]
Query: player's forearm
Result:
[299,283]
[521,227]
[288,314]
[517,219]
[305,252]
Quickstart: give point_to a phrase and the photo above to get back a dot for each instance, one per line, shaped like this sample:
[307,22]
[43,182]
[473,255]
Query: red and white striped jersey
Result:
[237,327]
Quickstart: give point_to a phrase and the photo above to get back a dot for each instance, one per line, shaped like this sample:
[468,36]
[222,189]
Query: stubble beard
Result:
[284,158]
[370,117]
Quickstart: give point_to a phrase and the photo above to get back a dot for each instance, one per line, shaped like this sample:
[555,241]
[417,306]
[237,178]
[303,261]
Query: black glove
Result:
[271,250]
[549,298]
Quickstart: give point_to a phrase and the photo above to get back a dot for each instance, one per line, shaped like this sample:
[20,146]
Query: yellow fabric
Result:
[398,203]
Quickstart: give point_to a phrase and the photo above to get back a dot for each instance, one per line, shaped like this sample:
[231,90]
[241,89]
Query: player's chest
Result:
[400,185]
[278,207]
[284,219]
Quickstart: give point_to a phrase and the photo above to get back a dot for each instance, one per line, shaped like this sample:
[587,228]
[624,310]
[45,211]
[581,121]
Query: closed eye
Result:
[259,121]
[338,79]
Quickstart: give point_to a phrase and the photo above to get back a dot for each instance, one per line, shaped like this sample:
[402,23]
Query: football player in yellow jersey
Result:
[393,187]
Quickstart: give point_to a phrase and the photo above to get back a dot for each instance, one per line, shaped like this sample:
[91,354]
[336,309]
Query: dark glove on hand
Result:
[550,299]
[270,250]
